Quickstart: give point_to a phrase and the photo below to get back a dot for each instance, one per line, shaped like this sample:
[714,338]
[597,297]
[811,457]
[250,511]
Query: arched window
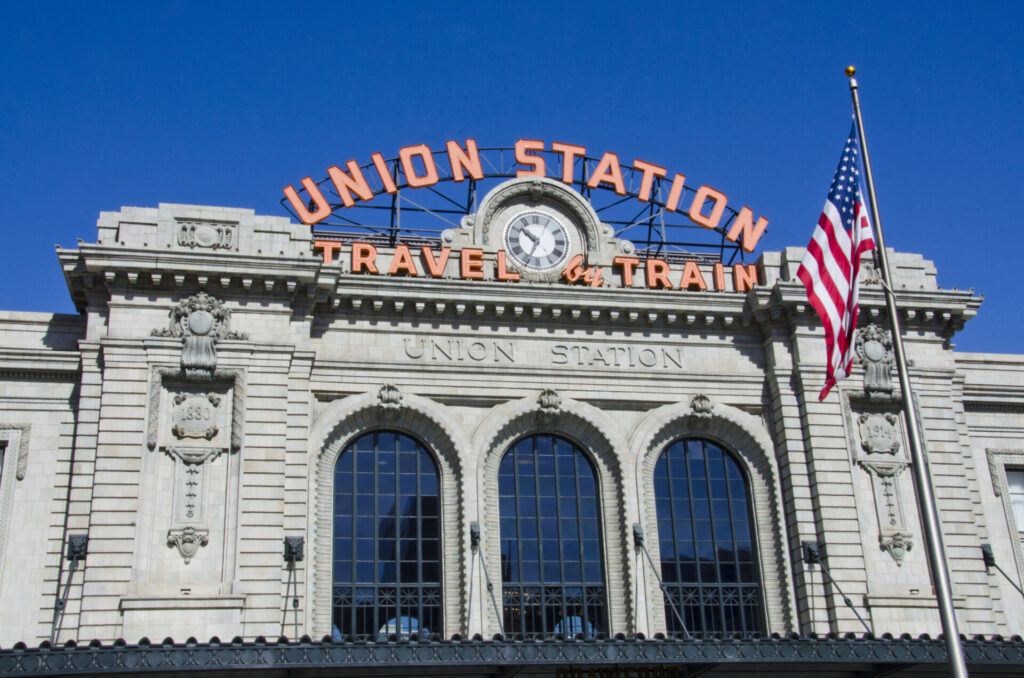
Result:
[387,538]
[708,564]
[551,564]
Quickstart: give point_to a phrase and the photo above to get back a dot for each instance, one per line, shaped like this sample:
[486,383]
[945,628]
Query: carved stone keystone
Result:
[701,405]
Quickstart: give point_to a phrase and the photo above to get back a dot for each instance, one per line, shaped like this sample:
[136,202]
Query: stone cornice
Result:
[97,269]
[520,302]
[941,311]
[38,364]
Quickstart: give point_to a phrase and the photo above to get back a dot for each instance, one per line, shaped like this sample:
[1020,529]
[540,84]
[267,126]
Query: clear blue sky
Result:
[110,104]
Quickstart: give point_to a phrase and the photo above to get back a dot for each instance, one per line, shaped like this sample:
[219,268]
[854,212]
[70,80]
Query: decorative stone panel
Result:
[879,453]
[193,423]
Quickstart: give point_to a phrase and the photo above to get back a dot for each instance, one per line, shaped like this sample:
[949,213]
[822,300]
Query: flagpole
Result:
[922,476]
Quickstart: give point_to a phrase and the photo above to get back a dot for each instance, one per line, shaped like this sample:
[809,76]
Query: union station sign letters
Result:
[534,240]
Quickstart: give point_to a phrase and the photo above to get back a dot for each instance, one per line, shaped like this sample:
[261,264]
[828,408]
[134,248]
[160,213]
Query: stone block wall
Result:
[120,432]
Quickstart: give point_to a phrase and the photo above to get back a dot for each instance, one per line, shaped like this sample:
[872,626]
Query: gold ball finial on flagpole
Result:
[850,71]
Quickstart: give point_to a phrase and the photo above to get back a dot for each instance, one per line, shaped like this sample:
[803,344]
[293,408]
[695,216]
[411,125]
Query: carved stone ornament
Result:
[193,455]
[874,348]
[550,405]
[879,433]
[701,405]
[200,320]
[23,431]
[214,235]
[869,275]
[195,416]
[389,398]
[897,545]
[188,540]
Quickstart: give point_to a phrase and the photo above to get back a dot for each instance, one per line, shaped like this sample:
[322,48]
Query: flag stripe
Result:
[831,265]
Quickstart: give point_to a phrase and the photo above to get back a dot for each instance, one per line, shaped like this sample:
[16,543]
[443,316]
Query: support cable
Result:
[990,561]
[812,556]
[474,538]
[638,540]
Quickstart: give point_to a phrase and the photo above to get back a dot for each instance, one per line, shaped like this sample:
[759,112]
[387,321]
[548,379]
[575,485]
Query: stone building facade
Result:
[194,414]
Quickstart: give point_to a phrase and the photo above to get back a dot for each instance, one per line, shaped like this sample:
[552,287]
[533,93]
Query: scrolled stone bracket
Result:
[188,541]
[897,545]
[193,456]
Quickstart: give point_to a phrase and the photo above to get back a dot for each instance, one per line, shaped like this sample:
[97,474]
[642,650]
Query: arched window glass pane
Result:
[387,538]
[708,564]
[552,568]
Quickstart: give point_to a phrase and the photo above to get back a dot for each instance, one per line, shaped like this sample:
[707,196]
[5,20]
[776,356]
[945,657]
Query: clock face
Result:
[536,240]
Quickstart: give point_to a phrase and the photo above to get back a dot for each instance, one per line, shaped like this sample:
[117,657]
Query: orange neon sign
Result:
[471,264]
[417,167]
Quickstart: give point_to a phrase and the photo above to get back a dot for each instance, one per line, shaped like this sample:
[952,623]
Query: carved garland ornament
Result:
[214,235]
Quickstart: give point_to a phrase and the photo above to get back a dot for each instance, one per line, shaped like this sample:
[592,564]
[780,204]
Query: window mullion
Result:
[735,550]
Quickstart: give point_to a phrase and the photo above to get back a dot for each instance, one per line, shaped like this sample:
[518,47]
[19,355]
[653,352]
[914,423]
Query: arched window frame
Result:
[398,623]
[433,426]
[745,437]
[589,601]
[682,449]
[583,425]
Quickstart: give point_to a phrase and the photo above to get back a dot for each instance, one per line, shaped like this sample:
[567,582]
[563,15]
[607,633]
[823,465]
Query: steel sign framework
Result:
[417,216]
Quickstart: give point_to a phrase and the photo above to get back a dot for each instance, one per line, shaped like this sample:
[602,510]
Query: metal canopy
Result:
[610,658]
[417,216]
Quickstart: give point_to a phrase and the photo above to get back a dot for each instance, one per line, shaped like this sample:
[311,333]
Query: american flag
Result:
[830,267]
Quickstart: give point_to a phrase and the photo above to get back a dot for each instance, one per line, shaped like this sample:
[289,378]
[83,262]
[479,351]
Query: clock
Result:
[537,241]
